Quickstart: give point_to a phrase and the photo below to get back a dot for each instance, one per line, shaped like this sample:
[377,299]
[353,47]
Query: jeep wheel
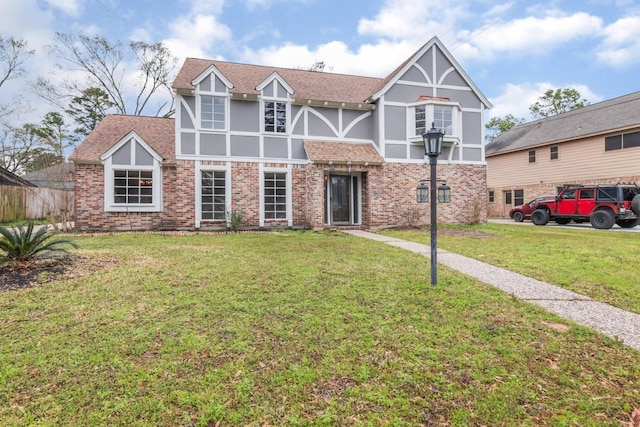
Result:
[518,217]
[603,219]
[540,217]
[627,223]
[635,204]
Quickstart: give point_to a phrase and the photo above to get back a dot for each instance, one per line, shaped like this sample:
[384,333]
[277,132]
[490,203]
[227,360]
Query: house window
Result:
[421,120]
[507,198]
[275,117]
[491,196]
[532,156]
[518,197]
[553,152]
[275,195]
[213,195]
[441,116]
[212,112]
[133,187]
[620,142]
[132,177]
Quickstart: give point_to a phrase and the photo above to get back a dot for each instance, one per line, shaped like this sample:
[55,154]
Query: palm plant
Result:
[21,245]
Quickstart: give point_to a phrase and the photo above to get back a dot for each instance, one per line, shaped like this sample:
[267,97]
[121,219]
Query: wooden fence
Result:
[18,203]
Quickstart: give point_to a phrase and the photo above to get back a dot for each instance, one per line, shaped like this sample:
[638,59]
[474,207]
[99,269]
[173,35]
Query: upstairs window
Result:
[532,156]
[212,112]
[620,142]
[441,116]
[553,153]
[275,117]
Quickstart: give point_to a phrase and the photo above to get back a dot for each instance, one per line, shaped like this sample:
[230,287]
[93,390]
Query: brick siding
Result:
[388,196]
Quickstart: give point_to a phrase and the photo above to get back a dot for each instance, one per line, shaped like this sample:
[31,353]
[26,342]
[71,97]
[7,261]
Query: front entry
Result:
[342,199]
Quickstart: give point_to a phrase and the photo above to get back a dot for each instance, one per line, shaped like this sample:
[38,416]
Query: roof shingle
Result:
[307,85]
[342,153]
[158,132]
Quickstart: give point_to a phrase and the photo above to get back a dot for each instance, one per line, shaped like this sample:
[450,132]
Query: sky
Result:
[513,50]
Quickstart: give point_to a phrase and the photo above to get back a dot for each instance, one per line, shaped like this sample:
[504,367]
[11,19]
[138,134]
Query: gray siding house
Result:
[289,148]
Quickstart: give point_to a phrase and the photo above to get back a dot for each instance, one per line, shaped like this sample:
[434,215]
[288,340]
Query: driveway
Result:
[583,226]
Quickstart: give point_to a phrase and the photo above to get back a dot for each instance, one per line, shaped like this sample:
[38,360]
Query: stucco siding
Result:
[472,128]
[244,116]
[395,120]
[276,148]
[245,146]
[213,144]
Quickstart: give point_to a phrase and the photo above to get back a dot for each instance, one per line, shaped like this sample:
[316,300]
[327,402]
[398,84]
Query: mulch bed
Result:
[30,274]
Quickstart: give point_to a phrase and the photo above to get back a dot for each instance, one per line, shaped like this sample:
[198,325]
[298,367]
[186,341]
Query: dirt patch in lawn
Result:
[33,273]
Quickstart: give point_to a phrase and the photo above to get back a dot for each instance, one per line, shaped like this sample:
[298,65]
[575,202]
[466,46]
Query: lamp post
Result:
[432,148]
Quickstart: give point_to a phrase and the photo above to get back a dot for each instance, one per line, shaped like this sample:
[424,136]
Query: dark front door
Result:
[340,199]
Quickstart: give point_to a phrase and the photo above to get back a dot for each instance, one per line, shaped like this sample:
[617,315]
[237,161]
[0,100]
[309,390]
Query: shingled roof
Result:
[614,115]
[342,153]
[158,132]
[307,85]
[12,180]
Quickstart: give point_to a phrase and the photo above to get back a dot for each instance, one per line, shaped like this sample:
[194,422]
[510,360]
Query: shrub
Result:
[21,245]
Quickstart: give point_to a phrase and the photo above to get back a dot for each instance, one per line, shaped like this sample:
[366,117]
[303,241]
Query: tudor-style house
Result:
[288,148]
[596,144]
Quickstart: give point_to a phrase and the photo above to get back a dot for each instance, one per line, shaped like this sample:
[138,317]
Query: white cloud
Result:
[69,7]
[367,61]
[621,45]
[526,35]
[196,35]
[412,20]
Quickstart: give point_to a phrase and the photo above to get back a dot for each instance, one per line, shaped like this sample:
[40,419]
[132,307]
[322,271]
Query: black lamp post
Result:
[432,148]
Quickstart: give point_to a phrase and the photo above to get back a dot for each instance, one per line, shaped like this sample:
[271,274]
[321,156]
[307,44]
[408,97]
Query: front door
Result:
[342,198]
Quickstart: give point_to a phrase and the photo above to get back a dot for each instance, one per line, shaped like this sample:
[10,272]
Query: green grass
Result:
[599,263]
[294,329]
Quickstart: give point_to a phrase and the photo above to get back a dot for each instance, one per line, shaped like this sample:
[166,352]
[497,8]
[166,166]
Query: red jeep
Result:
[602,205]
[522,212]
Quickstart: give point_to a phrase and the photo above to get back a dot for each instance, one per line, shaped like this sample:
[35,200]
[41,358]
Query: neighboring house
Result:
[58,176]
[10,179]
[596,144]
[288,148]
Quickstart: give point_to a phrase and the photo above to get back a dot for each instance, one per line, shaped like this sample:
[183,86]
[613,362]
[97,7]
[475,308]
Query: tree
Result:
[556,102]
[88,109]
[13,55]
[18,146]
[499,125]
[104,64]
[54,134]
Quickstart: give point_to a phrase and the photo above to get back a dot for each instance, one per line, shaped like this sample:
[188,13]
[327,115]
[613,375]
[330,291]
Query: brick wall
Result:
[388,196]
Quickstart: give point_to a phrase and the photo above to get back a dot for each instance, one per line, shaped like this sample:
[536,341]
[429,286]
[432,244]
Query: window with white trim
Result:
[275,195]
[213,198]
[275,116]
[132,177]
[212,112]
[440,116]
[133,187]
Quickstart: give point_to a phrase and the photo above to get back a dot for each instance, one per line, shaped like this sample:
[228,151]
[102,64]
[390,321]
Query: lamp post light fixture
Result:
[422,192]
[432,148]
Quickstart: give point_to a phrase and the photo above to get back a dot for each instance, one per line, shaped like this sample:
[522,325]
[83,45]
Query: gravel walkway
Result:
[604,318]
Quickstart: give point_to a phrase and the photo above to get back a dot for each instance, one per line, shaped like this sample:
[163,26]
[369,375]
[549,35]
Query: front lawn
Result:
[601,264]
[293,328]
